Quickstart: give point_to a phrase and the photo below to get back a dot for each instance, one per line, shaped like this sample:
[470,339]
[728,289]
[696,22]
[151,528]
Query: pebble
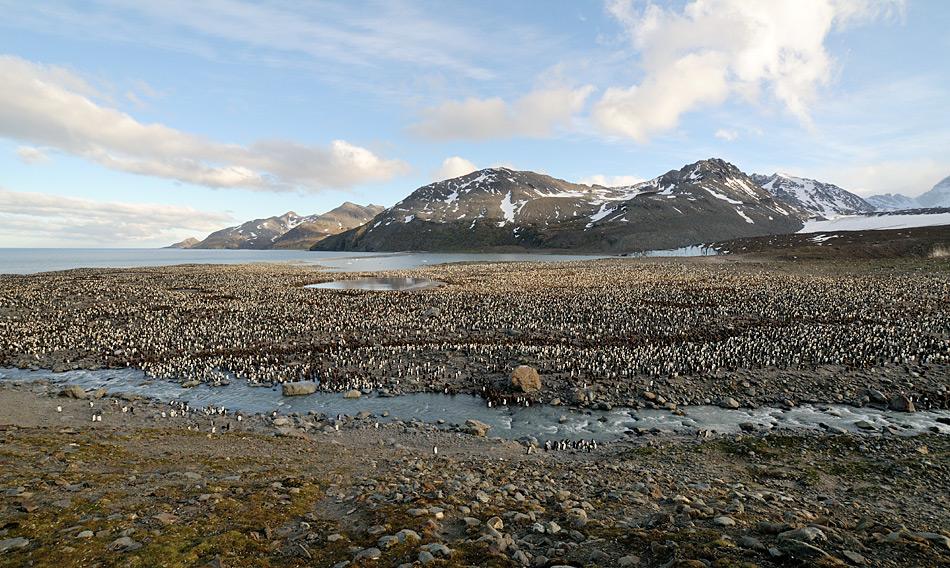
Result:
[13,544]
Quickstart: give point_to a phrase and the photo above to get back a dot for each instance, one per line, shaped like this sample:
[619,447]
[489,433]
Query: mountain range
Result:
[287,231]
[504,209]
[500,208]
[938,196]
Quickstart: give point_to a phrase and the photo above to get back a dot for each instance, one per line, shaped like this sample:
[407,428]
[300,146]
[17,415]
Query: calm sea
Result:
[28,261]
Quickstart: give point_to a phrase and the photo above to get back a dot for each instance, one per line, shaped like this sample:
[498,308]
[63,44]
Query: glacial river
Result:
[541,422]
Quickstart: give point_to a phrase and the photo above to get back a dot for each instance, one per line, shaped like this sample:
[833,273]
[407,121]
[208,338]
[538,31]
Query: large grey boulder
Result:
[299,388]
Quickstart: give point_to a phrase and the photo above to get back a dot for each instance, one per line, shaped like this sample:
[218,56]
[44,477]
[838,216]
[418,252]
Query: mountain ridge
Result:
[500,208]
[288,231]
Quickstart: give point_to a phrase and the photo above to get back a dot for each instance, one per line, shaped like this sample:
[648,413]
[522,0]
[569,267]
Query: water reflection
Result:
[378,284]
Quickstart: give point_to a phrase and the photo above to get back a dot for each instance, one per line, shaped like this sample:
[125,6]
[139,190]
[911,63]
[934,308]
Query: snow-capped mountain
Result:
[820,199]
[938,196]
[255,234]
[500,208]
[317,227]
[289,230]
[891,202]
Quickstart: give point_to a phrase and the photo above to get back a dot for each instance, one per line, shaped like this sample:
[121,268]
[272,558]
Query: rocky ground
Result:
[88,480]
[136,489]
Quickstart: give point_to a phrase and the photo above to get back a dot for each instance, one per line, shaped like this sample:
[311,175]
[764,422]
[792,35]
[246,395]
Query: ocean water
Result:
[30,261]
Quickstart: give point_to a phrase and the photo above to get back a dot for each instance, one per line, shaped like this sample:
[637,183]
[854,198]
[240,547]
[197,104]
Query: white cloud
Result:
[909,177]
[453,167]
[714,50]
[727,134]
[54,108]
[535,115]
[611,181]
[378,38]
[31,219]
[31,155]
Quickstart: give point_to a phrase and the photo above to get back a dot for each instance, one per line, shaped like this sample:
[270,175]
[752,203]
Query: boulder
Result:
[901,403]
[299,388]
[526,379]
[13,544]
[476,427]
[352,394]
[73,391]
[729,403]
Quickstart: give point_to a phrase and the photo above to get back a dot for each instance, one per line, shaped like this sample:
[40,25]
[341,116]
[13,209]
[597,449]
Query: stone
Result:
[751,543]
[804,534]
[495,523]
[877,396]
[724,521]
[73,391]
[901,403]
[629,560]
[13,544]
[125,544]
[426,558]
[526,379]
[166,518]
[408,536]
[854,557]
[298,388]
[438,550]
[387,542]
[476,427]
[583,395]
[85,534]
[730,403]
[352,394]
[935,538]
[368,554]
[801,550]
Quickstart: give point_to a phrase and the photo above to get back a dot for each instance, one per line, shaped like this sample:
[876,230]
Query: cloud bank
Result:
[537,114]
[714,50]
[611,181]
[453,167]
[56,109]
[42,218]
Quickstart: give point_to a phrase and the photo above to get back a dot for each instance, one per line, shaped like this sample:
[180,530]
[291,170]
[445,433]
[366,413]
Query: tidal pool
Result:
[378,284]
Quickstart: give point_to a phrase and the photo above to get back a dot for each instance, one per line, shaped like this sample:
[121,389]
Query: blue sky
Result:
[129,124]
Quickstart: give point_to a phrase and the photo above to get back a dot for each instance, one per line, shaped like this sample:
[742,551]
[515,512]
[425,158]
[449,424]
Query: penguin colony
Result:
[602,322]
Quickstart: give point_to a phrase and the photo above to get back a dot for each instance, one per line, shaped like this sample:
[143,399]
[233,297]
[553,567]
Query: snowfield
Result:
[875,222]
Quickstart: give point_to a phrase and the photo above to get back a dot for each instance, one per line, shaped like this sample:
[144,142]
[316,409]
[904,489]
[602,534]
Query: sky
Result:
[137,124]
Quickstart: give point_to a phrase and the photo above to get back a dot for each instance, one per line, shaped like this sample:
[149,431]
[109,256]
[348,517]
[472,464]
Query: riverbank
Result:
[135,489]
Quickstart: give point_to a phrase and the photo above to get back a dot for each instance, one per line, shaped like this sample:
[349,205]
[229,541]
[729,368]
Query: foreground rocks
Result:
[135,490]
